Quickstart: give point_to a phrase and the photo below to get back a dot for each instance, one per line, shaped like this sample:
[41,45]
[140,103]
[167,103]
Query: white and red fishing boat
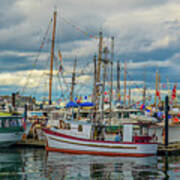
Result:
[76,138]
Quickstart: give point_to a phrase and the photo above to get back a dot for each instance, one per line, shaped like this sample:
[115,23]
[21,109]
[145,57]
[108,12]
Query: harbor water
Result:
[32,163]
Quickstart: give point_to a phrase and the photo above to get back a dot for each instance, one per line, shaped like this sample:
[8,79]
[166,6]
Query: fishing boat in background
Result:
[11,129]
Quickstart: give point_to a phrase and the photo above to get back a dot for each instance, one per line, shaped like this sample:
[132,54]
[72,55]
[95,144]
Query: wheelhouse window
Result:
[119,115]
[14,123]
[80,128]
[1,125]
[68,126]
[6,124]
[126,114]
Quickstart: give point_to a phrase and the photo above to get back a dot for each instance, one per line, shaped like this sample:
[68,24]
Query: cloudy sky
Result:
[147,37]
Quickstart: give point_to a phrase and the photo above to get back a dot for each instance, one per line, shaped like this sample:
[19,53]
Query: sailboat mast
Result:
[52,57]
[168,86]
[99,69]
[156,88]
[73,80]
[129,97]
[144,94]
[95,74]
[111,89]
[94,89]
[105,60]
[125,74]
[118,81]
[159,88]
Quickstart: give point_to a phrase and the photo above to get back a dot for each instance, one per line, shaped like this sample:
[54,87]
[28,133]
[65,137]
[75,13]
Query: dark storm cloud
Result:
[9,15]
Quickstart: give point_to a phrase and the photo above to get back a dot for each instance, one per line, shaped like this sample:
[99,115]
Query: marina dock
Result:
[32,143]
[171,149]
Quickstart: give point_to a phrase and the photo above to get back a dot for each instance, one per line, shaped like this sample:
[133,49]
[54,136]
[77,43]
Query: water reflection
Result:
[68,166]
[16,163]
[30,164]
[10,162]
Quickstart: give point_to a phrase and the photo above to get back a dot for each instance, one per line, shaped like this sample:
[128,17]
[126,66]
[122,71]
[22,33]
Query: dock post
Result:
[166,120]
[25,112]
[13,100]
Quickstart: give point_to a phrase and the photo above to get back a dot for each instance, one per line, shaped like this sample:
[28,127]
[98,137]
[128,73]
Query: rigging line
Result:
[62,76]
[40,78]
[58,77]
[80,73]
[78,28]
[38,55]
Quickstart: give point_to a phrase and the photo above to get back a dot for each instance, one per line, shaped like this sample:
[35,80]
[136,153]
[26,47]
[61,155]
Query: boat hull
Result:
[69,144]
[8,139]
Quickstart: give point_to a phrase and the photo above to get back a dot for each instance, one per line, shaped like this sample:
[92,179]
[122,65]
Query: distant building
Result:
[20,101]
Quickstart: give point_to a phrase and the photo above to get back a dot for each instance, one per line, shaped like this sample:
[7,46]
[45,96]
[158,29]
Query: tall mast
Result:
[105,60]
[99,69]
[95,74]
[52,56]
[144,94]
[73,80]
[94,89]
[129,95]
[168,86]
[118,80]
[125,74]
[159,88]
[156,88]
[111,89]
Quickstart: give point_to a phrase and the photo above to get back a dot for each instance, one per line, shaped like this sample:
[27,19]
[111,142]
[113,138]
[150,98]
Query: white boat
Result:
[143,118]
[11,130]
[76,138]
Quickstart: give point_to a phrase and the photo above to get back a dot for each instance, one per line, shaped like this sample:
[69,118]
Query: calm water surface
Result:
[35,164]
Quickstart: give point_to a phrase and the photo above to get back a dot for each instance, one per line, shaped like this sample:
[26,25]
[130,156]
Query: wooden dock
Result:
[32,143]
[171,149]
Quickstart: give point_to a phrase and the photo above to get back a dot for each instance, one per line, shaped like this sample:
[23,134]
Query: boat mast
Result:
[73,80]
[94,89]
[156,88]
[159,88]
[99,70]
[125,74]
[144,94]
[111,89]
[168,86]
[129,100]
[52,56]
[105,61]
[94,84]
[118,81]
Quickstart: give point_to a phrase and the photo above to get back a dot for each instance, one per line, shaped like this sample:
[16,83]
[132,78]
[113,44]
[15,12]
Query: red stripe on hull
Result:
[70,151]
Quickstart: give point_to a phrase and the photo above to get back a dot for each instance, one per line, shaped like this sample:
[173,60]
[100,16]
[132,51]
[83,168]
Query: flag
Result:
[174,92]
[142,106]
[157,93]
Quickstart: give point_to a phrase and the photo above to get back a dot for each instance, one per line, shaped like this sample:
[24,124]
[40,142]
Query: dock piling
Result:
[166,120]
